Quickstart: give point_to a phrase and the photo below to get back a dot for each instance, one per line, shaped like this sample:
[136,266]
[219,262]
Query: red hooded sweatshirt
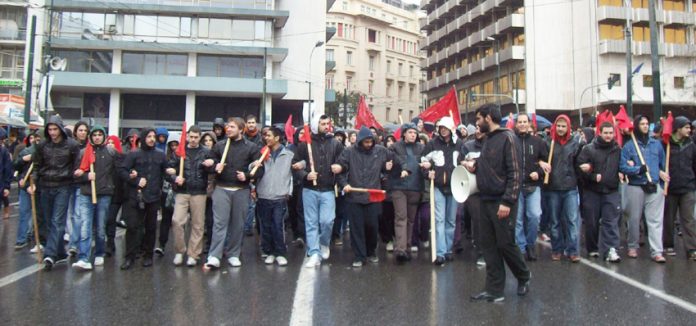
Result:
[554,135]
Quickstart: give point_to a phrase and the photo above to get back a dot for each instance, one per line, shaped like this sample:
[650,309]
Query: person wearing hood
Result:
[318,199]
[644,197]
[21,164]
[598,165]
[341,219]
[341,136]
[499,178]
[406,192]
[167,198]
[117,199]
[132,141]
[219,129]
[360,166]
[682,189]
[5,174]
[295,205]
[55,160]
[80,133]
[442,154]
[144,172]
[533,150]
[105,163]
[162,139]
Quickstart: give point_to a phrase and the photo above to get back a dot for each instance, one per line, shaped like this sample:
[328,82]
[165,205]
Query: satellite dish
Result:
[463,184]
[58,64]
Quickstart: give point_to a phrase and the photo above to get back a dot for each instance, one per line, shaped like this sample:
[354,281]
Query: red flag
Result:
[289,130]
[264,154]
[622,119]
[307,137]
[667,128]
[510,122]
[446,106]
[376,195]
[365,116]
[181,150]
[88,158]
[397,133]
[534,122]
[331,127]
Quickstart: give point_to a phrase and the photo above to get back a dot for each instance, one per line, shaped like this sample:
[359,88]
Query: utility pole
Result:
[345,108]
[28,85]
[654,53]
[262,116]
[629,57]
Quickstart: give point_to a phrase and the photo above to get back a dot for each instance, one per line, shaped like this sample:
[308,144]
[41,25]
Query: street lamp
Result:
[497,64]
[309,80]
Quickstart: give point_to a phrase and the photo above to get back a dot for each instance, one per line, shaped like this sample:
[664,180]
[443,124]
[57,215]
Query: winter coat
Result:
[654,156]
[241,153]
[498,169]
[604,158]
[277,179]
[410,155]
[161,146]
[533,149]
[325,152]
[563,176]
[682,166]
[444,157]
[150,164]
[195,174]
[55,163]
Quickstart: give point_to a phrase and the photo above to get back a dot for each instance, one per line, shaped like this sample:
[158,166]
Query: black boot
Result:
[147,261]
[127,264]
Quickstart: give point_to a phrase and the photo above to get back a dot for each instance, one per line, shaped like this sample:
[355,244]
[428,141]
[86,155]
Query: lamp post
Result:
[309,80]
[497,65]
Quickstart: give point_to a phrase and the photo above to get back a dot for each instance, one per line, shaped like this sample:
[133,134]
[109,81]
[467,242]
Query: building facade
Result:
[556,57]
[376,53]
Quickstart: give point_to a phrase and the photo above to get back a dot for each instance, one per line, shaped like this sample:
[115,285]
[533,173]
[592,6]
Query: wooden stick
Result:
[181,167]
[26,177]
[546,177]
[669,146]
[311,162]
[364,190]
[39,252]
[401,120]
[264,154]
[224,153]
[433,238]
[94,184]
[640,156]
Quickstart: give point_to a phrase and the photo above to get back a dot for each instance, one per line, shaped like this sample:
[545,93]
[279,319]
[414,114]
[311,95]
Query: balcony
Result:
[508,22]
[330,65]
[642,15]
[619,46]
[426,4]
[609,13]
[11,34]
[678,18]
[515,52]
[376,47]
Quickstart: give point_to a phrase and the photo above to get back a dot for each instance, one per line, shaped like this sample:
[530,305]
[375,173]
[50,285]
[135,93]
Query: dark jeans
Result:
[272,223]
[136,218]
[166,222]
[499,247]
[421,226]
[111,216]
[545,221]
[684,204]
[473,209]
[341,218]
[296,213]
[386,222]
[55,208]
[601,210]
[208,224]
[364,226]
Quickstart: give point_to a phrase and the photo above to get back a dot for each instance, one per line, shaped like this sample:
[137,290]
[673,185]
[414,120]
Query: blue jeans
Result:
[272,225]
[251,215]
[445,217]
[74,213]
[24,216]
[55,208]
[528,215]
[563,206]
[84,225]
[320,212]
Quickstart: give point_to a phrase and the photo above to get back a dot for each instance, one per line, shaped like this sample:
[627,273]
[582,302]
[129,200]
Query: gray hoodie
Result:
[276,182]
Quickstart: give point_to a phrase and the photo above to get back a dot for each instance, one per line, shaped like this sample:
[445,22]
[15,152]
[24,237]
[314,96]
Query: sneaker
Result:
[544,237]
[439,261]
[313,261]
[270,260]
[357,263]
[299,243]
[62,260]
[122,224]
[414,248]
[373,259]
[281,261]
[36,249]
[556,256]
[574,258]
[670,252]
[72,252]
[426,244]
[594,254]
[83,265]
[66,237]
[325,252]
[612,256]
[632,253]
[338,242]
[212,262]
[159,251]
[390,246]
[234,262]
[449,257]
[178,259]
[20,245]
[190,262]
[480,262]
[48,263]
[264,255]
[98,261]
[659,259]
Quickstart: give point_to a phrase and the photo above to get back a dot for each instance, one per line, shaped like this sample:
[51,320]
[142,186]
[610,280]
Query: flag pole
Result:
[39,253]
[94,183]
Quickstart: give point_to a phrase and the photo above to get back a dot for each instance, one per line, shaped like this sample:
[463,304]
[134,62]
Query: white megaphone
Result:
[463,184]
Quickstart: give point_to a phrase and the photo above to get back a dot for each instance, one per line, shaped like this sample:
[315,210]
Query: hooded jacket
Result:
[363,168]
[150,164]
[131,141]
[195,173]
[565,151]
[325,152]
[162,132]
[105,165]
[409,154]
[682,166]
[21,166]
[653,153]
[498,169]
[239,156]
[533,149]
[276,183]
[219,122]
[55,163]
[444,157]
[604,158]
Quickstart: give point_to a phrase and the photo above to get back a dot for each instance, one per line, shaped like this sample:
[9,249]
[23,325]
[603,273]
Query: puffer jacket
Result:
[150,164]
[604,158]
[444,157]
[325,152]
[55,163]
[682,166]
[240,154]
[195,174]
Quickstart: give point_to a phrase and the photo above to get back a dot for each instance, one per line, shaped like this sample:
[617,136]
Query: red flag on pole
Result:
[365,116]
[622,119]
[181,150]
[446,106]
[667,128]
[307,137]
[88,158]
[397,133]
[510,122]
[289,130]
[534,122]
[376,195]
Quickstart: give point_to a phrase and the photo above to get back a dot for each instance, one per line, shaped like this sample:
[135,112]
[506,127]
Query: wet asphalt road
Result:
[377,294]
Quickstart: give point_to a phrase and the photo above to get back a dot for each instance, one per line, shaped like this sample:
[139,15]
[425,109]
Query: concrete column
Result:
[269,107]
[115,112]
[117,62]
[190,108]
[192,65]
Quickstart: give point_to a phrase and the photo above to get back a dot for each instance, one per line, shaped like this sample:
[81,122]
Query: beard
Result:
[484,127]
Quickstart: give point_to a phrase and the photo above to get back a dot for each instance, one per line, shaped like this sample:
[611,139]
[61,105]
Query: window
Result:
[372,36]
[411,92]
[241,30]
[401,69]
[613,3]
[389,89]
[518,40]
[371,63]
[349,80]
[345,5]
[674,5]
[229,66]
[520,80]
[388,114]
[155,64]
[330,55]
[11,63]
[679,82]
[410,71]
[616,77]
[611,31]
[349,58]
[370,86]
[329,82]
[388,66]
[641,33]
[400,95]
[87,61]
[340,30]
[675,35]
[647,81]
[640,3]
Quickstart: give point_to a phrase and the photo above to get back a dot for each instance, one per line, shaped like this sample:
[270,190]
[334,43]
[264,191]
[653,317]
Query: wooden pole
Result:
[433,238]
[311,162]
[364,190]
[264,154]
[224,153]
[26,177]
[640,156]
[669,147]
[181,167]
[39,252]
[546,177]
[94,184]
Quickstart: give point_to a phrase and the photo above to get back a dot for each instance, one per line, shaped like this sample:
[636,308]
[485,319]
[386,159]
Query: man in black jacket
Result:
[55,160]
[190,196]
[319,202]
[144,172]
[360,167]
[598,163]
[533,150]
[682,189]
[498,175]
[231,195]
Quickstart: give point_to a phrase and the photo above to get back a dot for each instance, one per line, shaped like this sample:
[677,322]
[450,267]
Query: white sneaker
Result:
[190,262]
[270,259]
[178,259]
[281,261]
[212,262]
[36,249]
[325,252]
[98,261]
[313,261]
[234,262]
[426,244]
[66,237]
[390,246]
[613,256]
[81,264]
[414,248]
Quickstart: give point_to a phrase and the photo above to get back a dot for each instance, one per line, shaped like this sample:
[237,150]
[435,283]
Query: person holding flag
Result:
[188,173]
[96,171]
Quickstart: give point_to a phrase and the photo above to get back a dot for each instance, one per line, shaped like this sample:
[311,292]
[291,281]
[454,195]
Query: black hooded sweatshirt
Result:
[55,163]
[604,157]
[150,164]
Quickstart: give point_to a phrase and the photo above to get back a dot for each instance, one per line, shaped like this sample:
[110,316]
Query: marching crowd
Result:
[211,189]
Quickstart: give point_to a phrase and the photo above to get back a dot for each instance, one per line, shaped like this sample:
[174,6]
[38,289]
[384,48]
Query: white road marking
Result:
[14,277]
[303,303]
